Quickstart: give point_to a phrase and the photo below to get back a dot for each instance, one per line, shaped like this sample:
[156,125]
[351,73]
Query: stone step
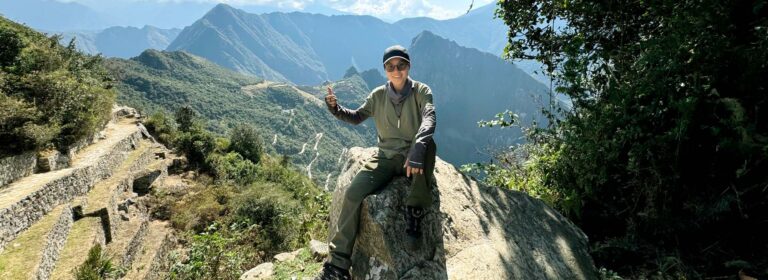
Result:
[85,233]
[153,262]
[33,253]
[26,200]
[106,195]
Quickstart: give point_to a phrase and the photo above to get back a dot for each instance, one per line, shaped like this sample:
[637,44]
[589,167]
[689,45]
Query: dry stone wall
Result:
[135,244]
[15,167]
[161,264]
[54,243]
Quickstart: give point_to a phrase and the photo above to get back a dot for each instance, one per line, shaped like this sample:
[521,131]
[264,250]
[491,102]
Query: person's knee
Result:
[355,193]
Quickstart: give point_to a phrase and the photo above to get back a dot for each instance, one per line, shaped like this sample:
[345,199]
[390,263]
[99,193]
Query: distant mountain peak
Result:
[222,7]
[351,71]
[428,38]
[222,10]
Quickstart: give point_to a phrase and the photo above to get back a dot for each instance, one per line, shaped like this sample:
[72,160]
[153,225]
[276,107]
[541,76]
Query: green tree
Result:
[186,118]
[664,151]
[245,140]
[196,145]
[10,47]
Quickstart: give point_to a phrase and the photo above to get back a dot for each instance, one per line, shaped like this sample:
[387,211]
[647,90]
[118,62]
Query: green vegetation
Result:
[98,266]
[246,212]
[213,255]
[50,96]
[662,160]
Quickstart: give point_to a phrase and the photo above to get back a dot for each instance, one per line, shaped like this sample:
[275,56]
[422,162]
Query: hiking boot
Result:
[332,272]
[413,217]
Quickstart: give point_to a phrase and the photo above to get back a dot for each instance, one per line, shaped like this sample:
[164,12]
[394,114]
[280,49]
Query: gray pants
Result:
[376,173]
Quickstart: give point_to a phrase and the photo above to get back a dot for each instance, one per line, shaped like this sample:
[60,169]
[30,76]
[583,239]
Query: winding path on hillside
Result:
[318,136]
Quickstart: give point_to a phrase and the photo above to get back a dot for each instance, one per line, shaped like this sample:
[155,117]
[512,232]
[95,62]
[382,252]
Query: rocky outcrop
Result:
[471,232]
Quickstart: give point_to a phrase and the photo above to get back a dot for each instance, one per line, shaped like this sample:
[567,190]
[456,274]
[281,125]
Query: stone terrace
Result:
[49,221]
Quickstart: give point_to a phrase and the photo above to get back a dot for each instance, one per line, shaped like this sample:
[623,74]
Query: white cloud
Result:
[385,9]
[397,9]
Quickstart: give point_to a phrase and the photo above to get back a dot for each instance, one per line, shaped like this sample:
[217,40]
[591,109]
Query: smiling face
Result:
[397,72]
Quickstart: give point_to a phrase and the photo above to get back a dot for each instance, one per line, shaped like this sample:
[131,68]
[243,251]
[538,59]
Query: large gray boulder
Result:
[471,232]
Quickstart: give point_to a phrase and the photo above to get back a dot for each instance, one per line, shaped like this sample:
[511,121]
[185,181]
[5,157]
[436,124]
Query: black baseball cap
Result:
[396,51]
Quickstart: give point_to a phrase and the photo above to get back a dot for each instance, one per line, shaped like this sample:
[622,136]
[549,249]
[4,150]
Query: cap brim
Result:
[397,56]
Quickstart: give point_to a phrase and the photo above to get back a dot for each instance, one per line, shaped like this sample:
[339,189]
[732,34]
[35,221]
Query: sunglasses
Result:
[400,67]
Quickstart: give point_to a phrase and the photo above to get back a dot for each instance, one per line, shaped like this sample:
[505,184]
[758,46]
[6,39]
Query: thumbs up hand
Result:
[330,98]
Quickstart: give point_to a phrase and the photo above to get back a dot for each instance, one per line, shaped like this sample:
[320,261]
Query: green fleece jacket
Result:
[403,128]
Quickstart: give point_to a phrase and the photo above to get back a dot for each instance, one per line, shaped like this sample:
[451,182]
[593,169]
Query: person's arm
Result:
[426,131]
[348,115]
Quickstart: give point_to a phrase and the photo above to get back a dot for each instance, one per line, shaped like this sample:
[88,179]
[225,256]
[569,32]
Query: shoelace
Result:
[414,216]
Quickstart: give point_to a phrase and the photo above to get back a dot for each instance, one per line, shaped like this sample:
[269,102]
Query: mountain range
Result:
[92,15]
[123,42]
[311,48]
[315,35]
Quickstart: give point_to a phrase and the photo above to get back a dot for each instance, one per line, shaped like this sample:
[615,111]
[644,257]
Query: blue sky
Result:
[385,9]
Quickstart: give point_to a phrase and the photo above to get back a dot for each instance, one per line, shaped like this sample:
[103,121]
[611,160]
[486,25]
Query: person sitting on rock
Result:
[405,121]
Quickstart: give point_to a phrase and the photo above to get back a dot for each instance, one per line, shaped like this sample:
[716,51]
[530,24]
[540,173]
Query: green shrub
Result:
[245,140]
[196,145]
[203,208]
[213,254]
[162,127]
[525,168]
[275,213]
[232,167]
